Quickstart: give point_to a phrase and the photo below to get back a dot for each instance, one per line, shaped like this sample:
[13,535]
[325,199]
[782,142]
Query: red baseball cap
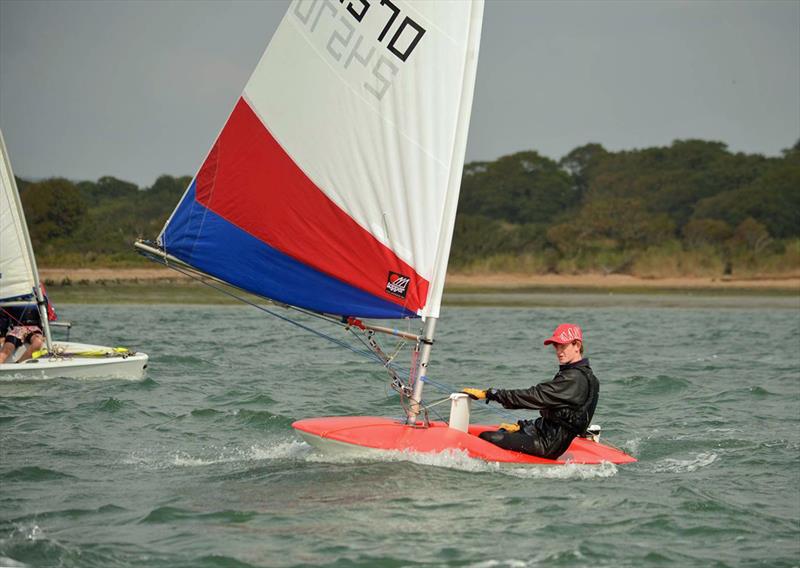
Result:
[565,333]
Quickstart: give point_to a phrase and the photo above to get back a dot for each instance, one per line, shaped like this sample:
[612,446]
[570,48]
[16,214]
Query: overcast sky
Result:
[137,89]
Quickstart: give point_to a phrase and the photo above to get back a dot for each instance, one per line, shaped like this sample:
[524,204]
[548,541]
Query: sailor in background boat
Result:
[566,403]
[19,325]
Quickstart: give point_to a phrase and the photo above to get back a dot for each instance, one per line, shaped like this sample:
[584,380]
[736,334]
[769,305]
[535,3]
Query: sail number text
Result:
[348,41]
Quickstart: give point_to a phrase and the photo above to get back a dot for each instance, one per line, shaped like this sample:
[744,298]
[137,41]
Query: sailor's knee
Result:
[36,342]
[493,436]
[6,351]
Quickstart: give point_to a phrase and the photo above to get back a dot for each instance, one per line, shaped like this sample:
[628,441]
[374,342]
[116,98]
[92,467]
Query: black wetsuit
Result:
[11,316]
[566,404]
[18,315]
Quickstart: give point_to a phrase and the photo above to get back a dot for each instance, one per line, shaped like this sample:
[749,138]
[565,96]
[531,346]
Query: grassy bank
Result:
[463,291]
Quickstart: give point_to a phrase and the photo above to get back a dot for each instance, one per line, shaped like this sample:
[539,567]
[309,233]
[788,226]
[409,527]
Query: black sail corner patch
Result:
[397,284]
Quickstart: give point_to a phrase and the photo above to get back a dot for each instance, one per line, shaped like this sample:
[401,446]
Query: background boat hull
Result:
[132,367]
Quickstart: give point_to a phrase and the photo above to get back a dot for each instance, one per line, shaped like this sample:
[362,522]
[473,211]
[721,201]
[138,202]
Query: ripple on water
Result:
[206,412]
[35,474]
[111,405]
[242,398]
[67,514]
[672,465]
[660,384]
[262,418]
[155,460]
[173,514]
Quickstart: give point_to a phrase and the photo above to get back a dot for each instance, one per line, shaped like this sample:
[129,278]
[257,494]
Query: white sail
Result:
[334,184]
[17,266]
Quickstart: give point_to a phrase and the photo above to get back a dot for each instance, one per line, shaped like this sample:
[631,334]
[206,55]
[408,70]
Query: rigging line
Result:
[339,342]
[439,416]
[200,277]
[369,353]
[11,316]
[387,364]
[438,402]
[448,388]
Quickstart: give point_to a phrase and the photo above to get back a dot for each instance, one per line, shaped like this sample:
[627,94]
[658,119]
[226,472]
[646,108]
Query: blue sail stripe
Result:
[203,239]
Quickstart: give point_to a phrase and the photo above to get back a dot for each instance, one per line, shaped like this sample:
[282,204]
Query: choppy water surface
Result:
[198,466]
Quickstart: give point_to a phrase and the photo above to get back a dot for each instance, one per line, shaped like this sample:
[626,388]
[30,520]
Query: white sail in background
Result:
[17,267]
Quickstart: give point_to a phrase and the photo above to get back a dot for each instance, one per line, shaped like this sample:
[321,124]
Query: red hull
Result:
[388,434]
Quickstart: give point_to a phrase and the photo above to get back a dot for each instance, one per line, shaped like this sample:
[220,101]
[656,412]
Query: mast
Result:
[422,368]
[41,303]
[451,203]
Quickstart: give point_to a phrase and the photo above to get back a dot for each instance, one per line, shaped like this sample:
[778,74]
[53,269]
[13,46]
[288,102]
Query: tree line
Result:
[94,224]
[691,208]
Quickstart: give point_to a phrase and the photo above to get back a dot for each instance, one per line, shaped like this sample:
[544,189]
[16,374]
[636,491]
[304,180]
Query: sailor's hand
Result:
[509,427]
[475,394]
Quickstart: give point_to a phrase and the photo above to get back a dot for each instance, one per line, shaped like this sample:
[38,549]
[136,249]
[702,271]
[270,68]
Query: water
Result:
[197,466]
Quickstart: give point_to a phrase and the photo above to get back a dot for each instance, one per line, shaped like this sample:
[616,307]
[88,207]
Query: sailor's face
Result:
[568,352]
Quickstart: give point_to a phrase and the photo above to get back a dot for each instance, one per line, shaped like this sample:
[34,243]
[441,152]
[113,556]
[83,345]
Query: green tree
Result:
[53,208]
[523,188]
[751,235]
[22,184]
[476,237]
[106,188]
[772,199]
[672,179]
[700,232]
[614,223]
[580,164]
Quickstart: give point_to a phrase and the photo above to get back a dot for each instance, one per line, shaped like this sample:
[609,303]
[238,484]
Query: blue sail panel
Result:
[201,238]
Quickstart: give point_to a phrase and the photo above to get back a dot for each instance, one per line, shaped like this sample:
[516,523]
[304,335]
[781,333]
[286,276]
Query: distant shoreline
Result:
[466,283]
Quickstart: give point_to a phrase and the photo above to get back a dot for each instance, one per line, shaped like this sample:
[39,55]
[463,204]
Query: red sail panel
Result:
[249,180]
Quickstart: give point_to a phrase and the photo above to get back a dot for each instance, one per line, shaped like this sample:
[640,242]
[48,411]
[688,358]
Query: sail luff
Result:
[456,164]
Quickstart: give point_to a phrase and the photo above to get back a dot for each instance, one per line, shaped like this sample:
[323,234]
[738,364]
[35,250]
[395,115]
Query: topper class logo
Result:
[397,284]
[568,335]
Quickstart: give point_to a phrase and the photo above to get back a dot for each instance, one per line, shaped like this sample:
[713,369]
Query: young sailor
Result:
[566,403]
[19,326]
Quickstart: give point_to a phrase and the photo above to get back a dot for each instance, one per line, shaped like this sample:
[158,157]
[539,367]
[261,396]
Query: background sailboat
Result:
[20,286]
[333,187]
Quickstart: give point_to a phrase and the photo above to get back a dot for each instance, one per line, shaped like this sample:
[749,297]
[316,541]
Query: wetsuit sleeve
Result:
[560,392]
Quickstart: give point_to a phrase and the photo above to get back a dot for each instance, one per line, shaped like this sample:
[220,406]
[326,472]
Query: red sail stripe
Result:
[250,180]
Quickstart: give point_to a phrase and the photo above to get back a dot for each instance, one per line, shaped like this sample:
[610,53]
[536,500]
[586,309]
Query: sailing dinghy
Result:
[332,189]
[20,289]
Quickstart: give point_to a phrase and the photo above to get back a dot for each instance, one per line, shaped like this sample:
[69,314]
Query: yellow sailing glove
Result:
[509,427]
[475,394]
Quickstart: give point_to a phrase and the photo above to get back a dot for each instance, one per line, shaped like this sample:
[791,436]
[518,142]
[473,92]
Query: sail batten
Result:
[333,184]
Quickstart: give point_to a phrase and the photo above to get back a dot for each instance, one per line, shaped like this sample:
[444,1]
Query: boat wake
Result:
[460,460]
[295,450]
[217,455]
[701,460]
